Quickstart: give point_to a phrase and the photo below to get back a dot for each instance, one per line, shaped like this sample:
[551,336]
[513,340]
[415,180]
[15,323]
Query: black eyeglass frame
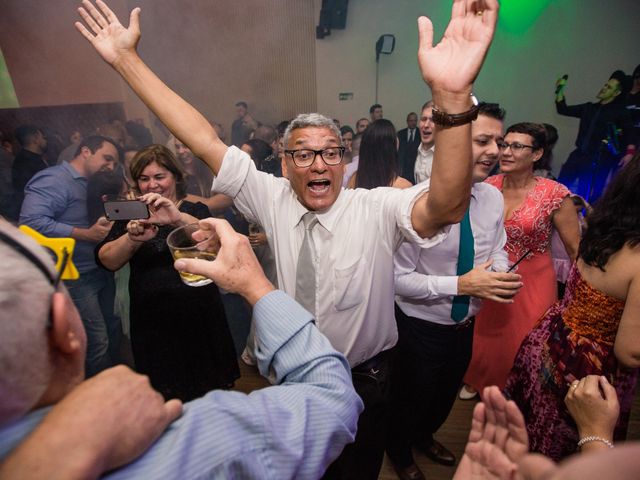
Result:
[502,146]
[292,153]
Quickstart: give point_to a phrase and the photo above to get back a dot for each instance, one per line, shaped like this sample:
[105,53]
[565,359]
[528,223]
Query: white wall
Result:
[586,39]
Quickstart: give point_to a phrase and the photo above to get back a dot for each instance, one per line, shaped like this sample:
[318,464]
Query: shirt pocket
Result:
[347,286]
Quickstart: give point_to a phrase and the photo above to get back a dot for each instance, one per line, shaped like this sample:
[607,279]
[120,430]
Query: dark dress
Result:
[179,334]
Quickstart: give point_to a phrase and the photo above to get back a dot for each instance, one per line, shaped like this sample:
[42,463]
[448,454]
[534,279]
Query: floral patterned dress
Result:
[574,339]
[500,328]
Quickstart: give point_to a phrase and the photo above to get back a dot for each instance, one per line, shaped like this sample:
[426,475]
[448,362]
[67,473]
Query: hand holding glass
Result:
[183,244]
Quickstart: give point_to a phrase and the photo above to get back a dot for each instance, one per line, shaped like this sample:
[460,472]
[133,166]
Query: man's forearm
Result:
[450,188]
[39,457]
[184,121]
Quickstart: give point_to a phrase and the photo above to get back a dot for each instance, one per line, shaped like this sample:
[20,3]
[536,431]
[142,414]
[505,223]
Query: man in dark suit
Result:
[409,141]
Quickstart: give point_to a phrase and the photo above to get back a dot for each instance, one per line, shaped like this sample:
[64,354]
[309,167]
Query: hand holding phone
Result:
[126,210]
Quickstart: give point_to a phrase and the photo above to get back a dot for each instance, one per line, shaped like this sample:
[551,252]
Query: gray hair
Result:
[25,302]
[305,120]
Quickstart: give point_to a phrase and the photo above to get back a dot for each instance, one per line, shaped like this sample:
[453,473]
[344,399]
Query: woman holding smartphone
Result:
[179,334]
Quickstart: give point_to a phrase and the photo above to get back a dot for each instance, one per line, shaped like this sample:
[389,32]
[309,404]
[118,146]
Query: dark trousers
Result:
[362,459]
[430,362]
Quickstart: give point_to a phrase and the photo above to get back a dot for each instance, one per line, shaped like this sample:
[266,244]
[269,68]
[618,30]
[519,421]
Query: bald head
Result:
[25,299]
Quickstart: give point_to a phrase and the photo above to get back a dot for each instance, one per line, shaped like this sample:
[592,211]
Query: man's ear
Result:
[285,171]
[85,152]
[64,334]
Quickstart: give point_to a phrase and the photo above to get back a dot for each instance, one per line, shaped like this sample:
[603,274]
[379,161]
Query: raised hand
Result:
[107,35]
[453,64]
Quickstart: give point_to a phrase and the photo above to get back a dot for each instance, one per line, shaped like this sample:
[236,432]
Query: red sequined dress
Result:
[500,327]
[574,339]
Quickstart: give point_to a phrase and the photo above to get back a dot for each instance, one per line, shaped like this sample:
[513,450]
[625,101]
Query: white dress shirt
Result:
[426,280]
[424,163]
[355,241]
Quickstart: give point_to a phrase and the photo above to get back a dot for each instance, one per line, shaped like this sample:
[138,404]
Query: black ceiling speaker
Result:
[333,14]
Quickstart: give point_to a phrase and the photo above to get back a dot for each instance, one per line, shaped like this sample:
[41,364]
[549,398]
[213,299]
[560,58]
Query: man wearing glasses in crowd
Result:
[334,248]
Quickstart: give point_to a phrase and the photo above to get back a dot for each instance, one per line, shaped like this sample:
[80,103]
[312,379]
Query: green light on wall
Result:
[517,16]
[8,97]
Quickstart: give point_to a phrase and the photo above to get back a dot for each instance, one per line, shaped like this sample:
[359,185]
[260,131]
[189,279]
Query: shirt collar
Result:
[326,218]
[424,151]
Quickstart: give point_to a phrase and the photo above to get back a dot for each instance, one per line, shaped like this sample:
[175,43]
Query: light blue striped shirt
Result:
[292,430]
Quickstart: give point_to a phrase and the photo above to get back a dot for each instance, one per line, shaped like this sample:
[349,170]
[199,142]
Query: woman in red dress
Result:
[532,206]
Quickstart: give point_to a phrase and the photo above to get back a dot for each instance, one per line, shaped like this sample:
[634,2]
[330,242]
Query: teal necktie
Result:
[466,254]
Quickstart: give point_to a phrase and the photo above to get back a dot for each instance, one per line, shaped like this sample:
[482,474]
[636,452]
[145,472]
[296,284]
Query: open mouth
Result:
[319,187]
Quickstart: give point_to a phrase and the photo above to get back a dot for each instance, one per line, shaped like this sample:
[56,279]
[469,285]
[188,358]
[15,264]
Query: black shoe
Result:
[438,453]
[412,472]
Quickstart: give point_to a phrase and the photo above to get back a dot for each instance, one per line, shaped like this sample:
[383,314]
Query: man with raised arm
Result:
[291,430]
[334,248]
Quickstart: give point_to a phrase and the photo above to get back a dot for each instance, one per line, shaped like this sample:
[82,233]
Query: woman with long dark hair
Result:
[378,165]
[594,330]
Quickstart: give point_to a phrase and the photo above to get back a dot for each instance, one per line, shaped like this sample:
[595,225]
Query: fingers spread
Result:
[90,21]
[134,20]
[111,17]
[95,14]
[425,33]
[83,31]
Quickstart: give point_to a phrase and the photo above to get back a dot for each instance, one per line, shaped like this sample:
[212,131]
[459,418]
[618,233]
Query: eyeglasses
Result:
[305,157]
[36,262]
[516,147]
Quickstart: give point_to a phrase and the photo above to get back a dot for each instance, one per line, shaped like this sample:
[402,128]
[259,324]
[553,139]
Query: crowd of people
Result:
[368,273]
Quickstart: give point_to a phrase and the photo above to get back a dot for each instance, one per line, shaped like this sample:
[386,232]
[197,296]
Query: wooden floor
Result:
[453,433]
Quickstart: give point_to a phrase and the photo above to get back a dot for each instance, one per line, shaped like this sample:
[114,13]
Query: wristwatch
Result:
[453,120]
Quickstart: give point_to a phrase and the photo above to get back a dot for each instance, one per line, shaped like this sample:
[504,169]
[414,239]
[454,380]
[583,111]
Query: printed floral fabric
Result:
[574,339]
[529,227]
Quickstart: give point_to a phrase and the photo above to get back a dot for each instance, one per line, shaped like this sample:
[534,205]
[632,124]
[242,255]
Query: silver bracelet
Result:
[594,438]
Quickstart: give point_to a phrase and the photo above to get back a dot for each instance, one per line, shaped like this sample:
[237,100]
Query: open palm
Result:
[453,64]
[110,39]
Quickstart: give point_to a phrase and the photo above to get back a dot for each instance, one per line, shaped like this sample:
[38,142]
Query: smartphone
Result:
[126,210]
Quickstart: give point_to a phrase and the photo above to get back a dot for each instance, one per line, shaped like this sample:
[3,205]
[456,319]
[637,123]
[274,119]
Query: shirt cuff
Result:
[446,285]
[407,226]
[277,317]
